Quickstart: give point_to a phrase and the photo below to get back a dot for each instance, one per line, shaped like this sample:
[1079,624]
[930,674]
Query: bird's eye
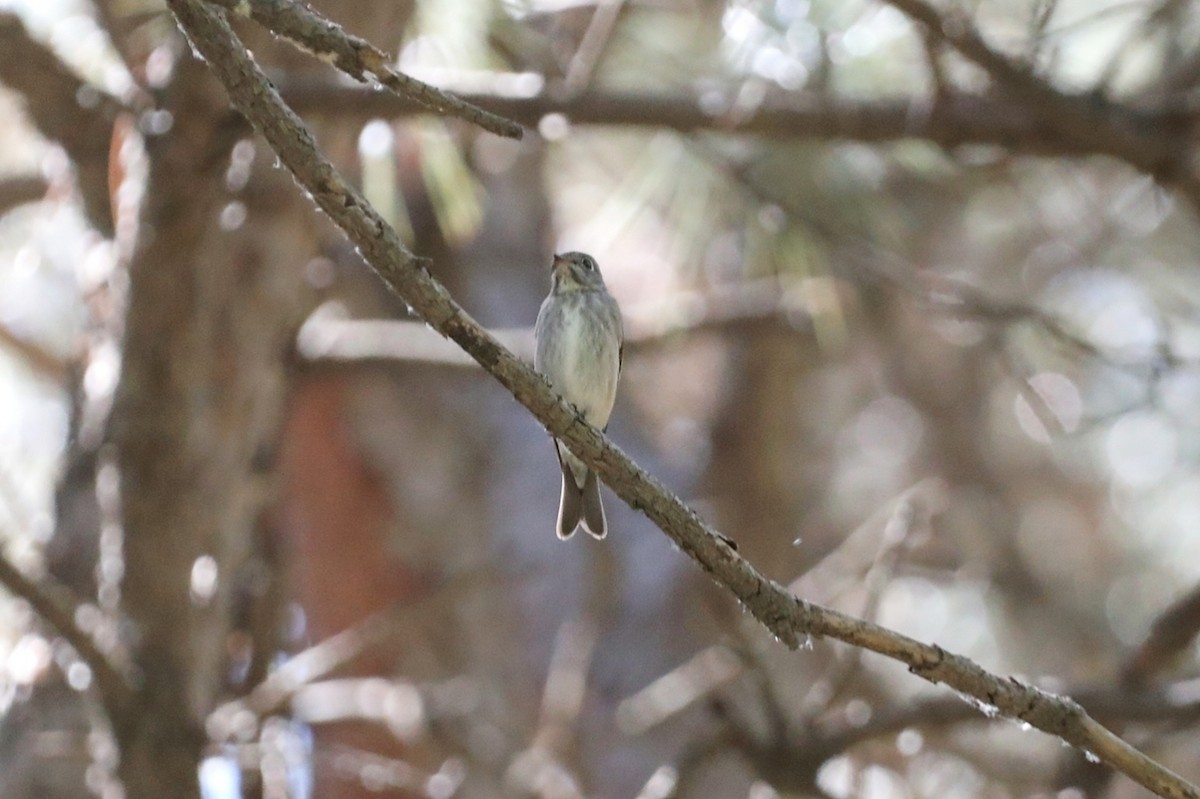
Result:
[589,264]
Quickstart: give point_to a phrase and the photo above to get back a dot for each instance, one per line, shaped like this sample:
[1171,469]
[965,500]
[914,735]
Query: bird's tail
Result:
[593,509]
[570,503]
[579,503]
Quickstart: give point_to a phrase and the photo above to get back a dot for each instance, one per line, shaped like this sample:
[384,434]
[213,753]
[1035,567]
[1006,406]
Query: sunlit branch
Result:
[326,40]
[593,45]
[790,619]
[326,338]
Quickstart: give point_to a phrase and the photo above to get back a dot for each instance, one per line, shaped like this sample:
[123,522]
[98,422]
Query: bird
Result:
[579,351]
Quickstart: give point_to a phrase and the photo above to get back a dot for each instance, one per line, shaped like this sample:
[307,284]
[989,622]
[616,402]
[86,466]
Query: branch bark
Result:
[790,619]
[195,415]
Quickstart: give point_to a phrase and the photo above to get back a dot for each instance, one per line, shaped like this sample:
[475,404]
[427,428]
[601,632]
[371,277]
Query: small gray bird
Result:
[579,351]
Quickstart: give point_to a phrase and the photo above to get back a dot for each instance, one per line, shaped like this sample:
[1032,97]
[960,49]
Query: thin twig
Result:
[358,58]
[789,618]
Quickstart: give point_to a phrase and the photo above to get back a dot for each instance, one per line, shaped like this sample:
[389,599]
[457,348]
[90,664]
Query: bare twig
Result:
[358,58]
[789,618]
[52,604]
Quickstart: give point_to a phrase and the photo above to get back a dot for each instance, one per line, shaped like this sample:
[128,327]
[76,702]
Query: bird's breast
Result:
[579,353]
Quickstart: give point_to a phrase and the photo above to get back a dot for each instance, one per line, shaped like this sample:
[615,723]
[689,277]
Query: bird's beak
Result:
[560,264]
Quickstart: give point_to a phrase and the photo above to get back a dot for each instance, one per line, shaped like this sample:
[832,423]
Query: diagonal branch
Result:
[53,606]
[358,58]
[789,618]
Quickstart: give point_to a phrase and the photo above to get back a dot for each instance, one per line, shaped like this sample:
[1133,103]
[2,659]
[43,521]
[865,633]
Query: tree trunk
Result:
[212,312]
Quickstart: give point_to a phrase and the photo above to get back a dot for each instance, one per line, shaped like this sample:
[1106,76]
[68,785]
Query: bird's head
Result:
[576,271]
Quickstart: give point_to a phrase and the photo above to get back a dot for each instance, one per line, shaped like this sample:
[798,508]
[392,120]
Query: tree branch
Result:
[954,119]
[309,31]
[20,189]
[1114,704]
[330,340]
[65,109]
[52,605]
[789,618]
[1094,122]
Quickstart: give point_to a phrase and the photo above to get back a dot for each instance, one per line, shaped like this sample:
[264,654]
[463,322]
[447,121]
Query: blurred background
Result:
[923,337]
